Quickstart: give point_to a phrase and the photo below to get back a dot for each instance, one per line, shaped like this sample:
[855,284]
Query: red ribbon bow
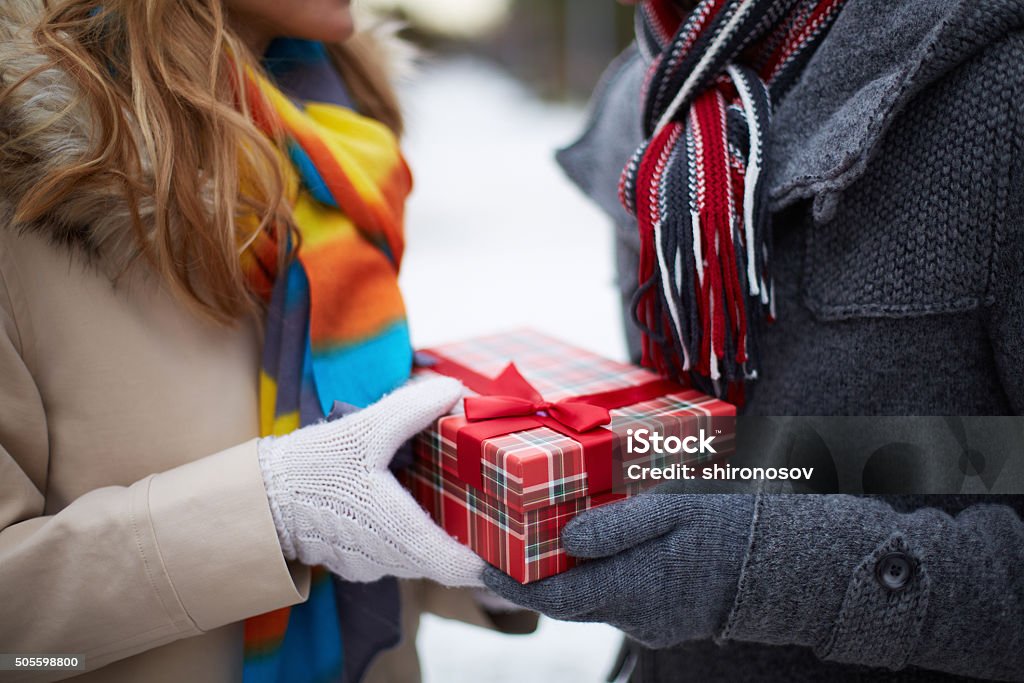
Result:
[515,397]
[509,404]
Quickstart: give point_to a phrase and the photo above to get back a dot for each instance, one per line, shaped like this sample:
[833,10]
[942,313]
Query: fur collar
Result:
[95,216]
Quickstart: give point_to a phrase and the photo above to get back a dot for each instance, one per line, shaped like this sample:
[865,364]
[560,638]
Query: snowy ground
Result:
[559,652]
[498,239]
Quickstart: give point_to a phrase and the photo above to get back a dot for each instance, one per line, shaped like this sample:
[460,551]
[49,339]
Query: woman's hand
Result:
[663,567]
[335,503]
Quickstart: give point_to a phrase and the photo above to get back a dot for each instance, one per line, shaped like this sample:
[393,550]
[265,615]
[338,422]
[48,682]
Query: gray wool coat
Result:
[896,178]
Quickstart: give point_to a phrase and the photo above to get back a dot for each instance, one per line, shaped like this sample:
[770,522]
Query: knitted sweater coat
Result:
[896,179]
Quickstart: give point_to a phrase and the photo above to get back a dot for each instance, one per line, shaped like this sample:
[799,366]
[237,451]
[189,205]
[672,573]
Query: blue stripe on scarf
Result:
[311,651]
[311,178]
[358,374]
[291,51]
[312,643]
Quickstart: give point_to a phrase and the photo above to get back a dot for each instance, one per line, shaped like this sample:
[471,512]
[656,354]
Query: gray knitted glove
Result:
[665,567]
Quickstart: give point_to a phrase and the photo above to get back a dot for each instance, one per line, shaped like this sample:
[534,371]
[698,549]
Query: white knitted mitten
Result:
[335,503]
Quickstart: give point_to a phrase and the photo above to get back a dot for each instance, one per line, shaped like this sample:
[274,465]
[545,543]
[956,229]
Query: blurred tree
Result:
[562,46]
[558,47]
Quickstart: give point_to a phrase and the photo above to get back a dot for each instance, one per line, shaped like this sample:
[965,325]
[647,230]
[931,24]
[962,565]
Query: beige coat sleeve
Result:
[125,569]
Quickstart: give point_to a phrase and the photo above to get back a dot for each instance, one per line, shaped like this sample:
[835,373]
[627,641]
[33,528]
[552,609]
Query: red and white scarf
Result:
[695,184]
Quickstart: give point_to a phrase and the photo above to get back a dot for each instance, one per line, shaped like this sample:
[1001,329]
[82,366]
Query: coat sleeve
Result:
[122,570]
[1006,315]
[864,583]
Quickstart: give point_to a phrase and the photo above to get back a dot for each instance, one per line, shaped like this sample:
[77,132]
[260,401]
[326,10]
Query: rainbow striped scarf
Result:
[336,328]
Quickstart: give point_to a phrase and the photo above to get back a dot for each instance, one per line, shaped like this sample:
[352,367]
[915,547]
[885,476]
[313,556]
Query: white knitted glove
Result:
[335,503]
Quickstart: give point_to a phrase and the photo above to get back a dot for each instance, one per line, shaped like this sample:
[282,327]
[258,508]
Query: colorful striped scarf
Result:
[336,328]
[695,184]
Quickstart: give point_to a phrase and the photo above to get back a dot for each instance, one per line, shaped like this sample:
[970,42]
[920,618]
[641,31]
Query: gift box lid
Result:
[538,467]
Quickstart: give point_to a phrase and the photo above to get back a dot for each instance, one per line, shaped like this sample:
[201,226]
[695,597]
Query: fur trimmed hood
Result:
[36,137]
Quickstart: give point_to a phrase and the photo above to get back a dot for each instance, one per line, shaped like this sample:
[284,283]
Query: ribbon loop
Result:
[516,397]
[511,383]
[493,407]
[579,416]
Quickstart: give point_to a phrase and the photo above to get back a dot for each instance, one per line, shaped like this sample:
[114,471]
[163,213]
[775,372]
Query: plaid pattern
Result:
[524,545]
[534,481]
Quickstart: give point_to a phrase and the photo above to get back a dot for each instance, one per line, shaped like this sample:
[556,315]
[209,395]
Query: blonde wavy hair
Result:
[173,130]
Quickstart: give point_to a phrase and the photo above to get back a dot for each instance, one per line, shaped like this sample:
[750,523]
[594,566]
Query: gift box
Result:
[547,431]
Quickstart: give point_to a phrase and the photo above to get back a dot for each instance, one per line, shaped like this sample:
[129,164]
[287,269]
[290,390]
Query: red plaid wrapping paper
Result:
[534,481]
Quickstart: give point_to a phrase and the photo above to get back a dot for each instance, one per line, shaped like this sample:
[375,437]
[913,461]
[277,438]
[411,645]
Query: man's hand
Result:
[662,567]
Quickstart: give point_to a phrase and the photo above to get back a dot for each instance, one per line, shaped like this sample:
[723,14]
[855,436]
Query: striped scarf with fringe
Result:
[336,328]
[695,184]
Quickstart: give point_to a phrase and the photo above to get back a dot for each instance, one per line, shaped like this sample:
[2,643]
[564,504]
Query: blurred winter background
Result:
[499,239]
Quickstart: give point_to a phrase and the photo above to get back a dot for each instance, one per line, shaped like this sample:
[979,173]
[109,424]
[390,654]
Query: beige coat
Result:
[134,526]
[131,501]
